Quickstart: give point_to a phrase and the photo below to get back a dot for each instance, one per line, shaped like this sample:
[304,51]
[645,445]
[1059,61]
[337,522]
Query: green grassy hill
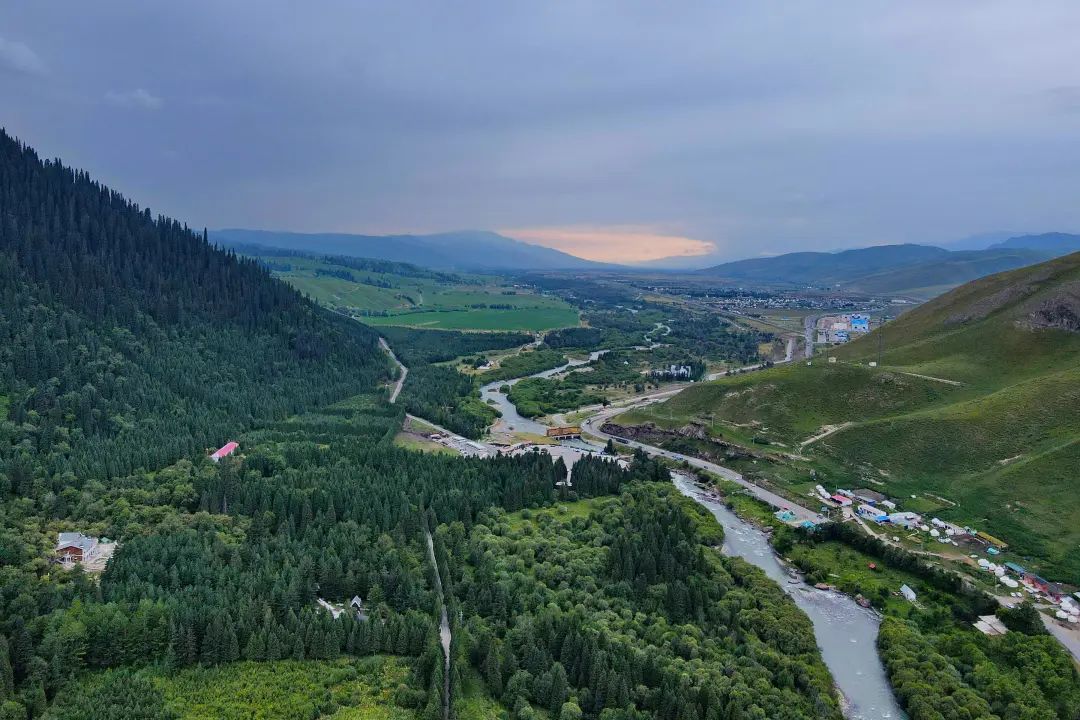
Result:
[976,400]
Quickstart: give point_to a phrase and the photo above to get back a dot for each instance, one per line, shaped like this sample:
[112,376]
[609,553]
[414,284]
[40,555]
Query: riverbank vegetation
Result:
[938,664]
[527,362]
[580,386]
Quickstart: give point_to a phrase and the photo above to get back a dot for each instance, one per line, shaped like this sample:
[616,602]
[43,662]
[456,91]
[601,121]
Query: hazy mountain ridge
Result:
[458,250]
[916,270]
[1057,242]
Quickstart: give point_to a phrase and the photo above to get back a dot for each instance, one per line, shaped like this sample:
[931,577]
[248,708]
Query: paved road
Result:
[809,324]
[593,424]
[788,356]
[1068,637]
[401,377]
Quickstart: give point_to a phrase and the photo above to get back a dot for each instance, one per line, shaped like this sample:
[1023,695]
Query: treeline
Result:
[448,398]
[414,346]
[952,673]
[711,336]
[341,274]
[585,385]
[383,267]
[578,337]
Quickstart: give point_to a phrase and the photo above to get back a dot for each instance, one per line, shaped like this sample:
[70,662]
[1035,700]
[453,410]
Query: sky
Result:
[619,131]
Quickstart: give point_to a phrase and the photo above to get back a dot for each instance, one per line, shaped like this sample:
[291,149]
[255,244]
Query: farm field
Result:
[521,318]
[382,293]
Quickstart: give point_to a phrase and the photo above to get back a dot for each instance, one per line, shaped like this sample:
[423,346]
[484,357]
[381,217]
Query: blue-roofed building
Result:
[1015,569]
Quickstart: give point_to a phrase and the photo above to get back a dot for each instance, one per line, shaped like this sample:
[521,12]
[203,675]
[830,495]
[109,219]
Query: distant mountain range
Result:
[918,271]
[462,250]
[1055,242]
[921,271]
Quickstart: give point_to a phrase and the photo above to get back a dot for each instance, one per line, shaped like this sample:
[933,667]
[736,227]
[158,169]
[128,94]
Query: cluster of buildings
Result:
[847,498]
[463,446]
[876,507]
[840,328]
[1015,577]
[673,372]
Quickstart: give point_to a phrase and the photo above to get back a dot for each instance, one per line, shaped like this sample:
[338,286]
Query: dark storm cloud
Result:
[758,128]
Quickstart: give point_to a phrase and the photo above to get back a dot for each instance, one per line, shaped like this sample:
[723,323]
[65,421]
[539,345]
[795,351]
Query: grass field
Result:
[422,298]
[561,512]
[996,449]
[343,689]
[525,318]
[476,702]
[418,443]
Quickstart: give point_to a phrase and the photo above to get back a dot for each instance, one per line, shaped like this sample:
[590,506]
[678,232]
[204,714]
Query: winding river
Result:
[845,632]
[511,420]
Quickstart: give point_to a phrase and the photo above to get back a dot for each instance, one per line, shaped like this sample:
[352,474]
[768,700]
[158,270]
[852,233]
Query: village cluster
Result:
[870,505]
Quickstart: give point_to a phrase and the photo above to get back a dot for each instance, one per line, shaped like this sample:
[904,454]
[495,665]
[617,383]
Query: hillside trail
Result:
[956,383]
[826,431]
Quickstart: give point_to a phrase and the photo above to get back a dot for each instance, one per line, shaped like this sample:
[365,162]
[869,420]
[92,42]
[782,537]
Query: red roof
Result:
[227,449]
[841,499]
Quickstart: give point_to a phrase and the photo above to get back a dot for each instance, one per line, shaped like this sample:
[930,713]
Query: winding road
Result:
[594,423]
[401,377]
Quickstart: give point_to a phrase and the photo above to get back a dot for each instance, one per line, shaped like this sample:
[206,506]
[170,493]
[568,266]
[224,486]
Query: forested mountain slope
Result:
[127,341]
[460,250]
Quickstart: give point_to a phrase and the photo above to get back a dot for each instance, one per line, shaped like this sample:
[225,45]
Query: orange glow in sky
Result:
[616,244]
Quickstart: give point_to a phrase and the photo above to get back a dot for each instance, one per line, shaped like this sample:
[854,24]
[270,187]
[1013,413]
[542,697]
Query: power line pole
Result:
[881,340]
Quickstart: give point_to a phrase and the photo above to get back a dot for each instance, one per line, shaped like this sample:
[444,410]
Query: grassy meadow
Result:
[343,689]
[423,299]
